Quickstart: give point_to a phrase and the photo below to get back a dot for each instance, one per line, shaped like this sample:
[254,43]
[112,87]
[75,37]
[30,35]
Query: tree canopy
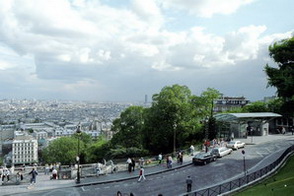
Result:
[282,76]
[63,150]
[128,128]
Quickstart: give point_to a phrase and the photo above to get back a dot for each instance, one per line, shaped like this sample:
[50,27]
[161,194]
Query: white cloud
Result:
[149,12]
[244,43]
[206,8]
[72,46]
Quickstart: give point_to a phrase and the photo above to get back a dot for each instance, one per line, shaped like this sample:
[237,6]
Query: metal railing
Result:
[241,182]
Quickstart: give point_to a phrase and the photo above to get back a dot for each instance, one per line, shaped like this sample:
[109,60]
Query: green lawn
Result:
[280,184]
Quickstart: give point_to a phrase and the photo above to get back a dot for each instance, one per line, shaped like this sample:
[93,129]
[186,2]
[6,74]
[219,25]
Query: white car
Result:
[221,151]
[235,145]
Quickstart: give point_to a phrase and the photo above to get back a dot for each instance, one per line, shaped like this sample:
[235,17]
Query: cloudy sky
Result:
[122,50]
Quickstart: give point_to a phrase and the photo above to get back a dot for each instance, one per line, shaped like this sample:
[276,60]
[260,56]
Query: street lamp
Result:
[175,127]
[243,152]
[78,131]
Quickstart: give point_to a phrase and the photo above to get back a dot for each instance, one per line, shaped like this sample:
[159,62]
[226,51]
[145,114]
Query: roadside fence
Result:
[234,185]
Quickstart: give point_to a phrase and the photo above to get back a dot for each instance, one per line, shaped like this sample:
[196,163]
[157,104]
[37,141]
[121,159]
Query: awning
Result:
[237,117]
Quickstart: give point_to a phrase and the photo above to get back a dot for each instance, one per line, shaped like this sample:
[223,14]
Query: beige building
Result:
[229,103]
[24,150]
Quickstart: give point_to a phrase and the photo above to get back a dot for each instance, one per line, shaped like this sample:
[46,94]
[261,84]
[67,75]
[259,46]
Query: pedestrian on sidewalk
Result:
[192,150]
[169,162]
[6,174]
[54,174]
[129,162]
[47,169]
[159,158]
[1,172]
[133,164]
[19,176]
[141,174]
[141,162]
[189,182]
[34,174]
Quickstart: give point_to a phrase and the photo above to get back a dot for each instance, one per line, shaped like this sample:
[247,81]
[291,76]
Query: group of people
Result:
[214,143]
[131,164]
[4,173]
[53,170]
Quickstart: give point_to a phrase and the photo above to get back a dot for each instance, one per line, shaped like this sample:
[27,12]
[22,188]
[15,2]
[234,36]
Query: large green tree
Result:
[128,137]
[170,120]
[63,150]
[282,76]
[128,128]
[203,106]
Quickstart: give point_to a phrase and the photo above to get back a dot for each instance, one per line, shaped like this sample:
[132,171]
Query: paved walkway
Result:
[44,182]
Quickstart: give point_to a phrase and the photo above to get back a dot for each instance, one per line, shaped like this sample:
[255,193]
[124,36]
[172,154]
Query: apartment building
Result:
[229,103]
[24,150]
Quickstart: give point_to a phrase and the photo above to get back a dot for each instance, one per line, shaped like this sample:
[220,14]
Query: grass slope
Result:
[281,183]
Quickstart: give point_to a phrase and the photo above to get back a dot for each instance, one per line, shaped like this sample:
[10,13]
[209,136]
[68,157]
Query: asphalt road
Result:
[173,182]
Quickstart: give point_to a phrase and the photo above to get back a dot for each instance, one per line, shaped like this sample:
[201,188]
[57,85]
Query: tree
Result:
[170,120]
[282,77]
[63,150]
[128,128]
[204,106]
[257,106]
[98,150]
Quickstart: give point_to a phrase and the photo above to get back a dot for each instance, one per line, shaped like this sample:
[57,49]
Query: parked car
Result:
[221,151]
[203,158]
[235,145]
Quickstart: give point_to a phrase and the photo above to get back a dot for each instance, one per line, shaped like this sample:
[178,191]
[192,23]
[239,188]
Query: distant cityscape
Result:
[27,126]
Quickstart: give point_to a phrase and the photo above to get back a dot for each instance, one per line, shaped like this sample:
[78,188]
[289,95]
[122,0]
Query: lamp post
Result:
[243,152]
[174,142]
[78,131]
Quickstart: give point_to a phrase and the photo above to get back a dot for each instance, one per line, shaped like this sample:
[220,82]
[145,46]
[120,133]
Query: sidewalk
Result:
[44,182]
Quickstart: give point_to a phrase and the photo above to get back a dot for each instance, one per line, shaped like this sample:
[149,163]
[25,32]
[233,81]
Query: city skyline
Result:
[123,50]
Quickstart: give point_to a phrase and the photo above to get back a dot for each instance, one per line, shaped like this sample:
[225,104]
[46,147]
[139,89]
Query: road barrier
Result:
[242,182]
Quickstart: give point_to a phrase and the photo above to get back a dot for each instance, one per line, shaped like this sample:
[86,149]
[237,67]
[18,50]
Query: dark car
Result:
[203,158]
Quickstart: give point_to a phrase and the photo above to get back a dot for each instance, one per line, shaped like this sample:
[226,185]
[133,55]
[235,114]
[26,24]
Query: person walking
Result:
[141,174]
[47,169]
[54,174]
[129,162]
[6,174]
[34,174]
[192,148]
[189,182]
[169,162]
[159,159]
[181,157]
[133,164]
[1,172]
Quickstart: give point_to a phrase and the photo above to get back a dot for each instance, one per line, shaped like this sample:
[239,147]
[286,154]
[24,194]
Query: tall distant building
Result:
[24,150]
[146,99]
